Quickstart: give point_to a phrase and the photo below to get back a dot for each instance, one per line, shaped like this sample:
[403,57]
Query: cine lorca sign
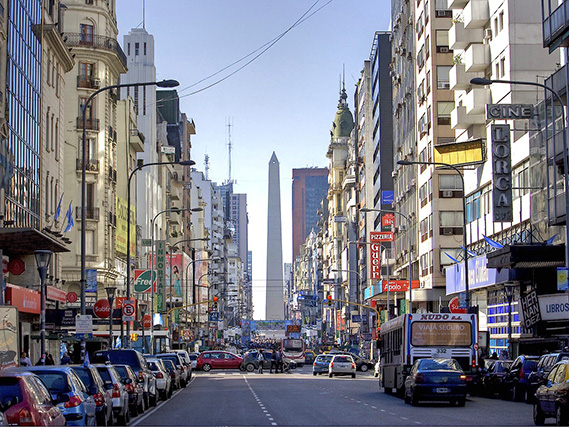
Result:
[143,280]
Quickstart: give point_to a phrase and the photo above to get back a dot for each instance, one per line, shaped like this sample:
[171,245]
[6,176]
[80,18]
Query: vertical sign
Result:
[91,285]
[160,275]
[530,309]
[387,222]
[501,174]
[375,256]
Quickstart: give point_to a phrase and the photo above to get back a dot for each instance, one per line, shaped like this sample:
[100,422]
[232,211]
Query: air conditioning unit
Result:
[96,83]
[447,231]
[447,193]
[488,34]
[444,49]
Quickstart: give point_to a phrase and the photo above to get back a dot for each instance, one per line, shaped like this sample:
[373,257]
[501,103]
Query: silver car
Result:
[163,380]
[176,359]
[119,394]
[342,364]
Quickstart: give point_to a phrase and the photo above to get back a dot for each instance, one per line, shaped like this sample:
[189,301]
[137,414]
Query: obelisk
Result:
[274,291]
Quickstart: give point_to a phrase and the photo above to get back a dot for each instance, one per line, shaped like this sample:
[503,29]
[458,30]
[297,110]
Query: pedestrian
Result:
[25,360]
[260,360]
[65,360]
[273,362]
[49,359]
[280,361]
[41,361]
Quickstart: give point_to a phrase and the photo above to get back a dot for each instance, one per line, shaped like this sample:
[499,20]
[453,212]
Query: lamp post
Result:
[509,290]
[111,291]
[163,83]
[142,306]
[410,259]
[43,258]
[194,299]
[483,82]
[357,287]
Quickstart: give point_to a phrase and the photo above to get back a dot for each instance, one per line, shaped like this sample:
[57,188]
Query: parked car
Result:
[309,356]
[216,359]
[361,364]
[320,364]
[342,364]
[134,389]
[25,400]
[250,363]
[174,375]
[551,398]
[113,382]
[539,376]
[163,380]
[183,369]
[80,410]
[436,379]
[96,388]
[516,379]
[139,365]
[185,356]
[492,381]
[194,360]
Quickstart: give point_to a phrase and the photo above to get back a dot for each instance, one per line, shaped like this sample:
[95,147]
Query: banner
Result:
[160,275]
[122,216]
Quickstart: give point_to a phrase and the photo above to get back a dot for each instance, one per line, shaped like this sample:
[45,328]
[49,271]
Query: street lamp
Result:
[483,82]
[142,306]
[163,83]
[111,291]
[509,290]
[410,259]
[357,287]
[43,258]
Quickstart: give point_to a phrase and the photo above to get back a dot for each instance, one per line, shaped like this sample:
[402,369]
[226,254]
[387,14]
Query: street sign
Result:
[454,306]
[84,326]
[128,310]
[380,236]
[509,111]
[214,316]
[102,309]
[146,242]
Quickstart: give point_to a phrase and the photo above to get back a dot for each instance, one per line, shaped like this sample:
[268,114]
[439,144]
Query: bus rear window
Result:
[437,334]
[292,344]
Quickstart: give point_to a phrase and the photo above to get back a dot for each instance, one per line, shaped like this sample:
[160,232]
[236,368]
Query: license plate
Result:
[441,390]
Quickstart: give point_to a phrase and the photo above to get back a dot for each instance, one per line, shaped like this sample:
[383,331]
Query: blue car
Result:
[321,363]
[80,410]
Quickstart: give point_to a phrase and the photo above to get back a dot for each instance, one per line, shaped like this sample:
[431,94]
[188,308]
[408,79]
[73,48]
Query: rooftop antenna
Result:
[144,14]
[229,146]
[206,166]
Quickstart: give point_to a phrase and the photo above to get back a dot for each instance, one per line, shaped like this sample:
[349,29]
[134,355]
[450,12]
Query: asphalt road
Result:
[233,398]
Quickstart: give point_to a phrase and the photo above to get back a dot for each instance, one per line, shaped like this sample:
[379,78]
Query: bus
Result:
[293,348]
[420,335]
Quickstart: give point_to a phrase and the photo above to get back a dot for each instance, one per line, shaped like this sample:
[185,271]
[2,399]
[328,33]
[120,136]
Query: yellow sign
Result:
[122,215]
[461,153]
[134,337]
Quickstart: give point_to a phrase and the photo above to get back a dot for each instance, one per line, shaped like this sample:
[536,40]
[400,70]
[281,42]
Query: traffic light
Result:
[214,305]
[329,300]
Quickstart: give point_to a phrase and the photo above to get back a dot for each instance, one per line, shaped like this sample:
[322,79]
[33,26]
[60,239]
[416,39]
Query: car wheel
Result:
[206,367]
[141,406]
[330,375]
[314,373]
[146,399]
[406,397]
[353,375]
[364,368]
[102,420]
[515,393]
[250,367]
[163,395]
[122,419]
[134,411]
[538,417]
[241,368]
[414,399]
[560,416]
[461,401]
[154,400]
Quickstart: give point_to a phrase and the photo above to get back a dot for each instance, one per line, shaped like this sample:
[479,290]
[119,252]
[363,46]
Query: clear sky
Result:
[283,101]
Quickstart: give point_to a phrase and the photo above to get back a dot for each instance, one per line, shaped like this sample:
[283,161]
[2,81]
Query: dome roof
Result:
[344,121]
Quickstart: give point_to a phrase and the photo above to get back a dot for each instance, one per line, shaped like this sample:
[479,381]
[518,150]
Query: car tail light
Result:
[314,364]
[129,388]
[463,378]
[25,417]
[116,390]
[419,378]
[331,364]
[159,375]
[522,373]
[473,363]
[353,366]
[73,402]
[99,399]
[140,375]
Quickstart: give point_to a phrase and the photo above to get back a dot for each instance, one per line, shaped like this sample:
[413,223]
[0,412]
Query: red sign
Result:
[102,309]
[119,301]
[399,285]
[71,297]
[388,220]
[380,236]
[55,294]
[453,305]
[16,266]
[147,321]
[27,300]
[375,256]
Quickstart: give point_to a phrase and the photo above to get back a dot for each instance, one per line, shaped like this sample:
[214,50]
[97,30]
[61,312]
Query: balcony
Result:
[476,14]
[459,119]
[459,79]
[476,58]
[88,82]
[460,37]
[90,124]
[91,165]
[93,41]
[90,213]
[137,140]
[555,27]
[457,4]
[475,101]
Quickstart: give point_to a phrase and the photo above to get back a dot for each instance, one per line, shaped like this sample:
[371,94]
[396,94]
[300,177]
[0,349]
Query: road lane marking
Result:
[261,404]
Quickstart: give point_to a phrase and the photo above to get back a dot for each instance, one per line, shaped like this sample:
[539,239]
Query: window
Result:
[442,41]
[86,34]
[450,222]
[89,111]
[136,49]
[144,48]
[128,49]
[473,207]
[428,80]
[427,47]
[444,108]
[502,67]
[444,258]
[501,20]
[450,182]
[443,72]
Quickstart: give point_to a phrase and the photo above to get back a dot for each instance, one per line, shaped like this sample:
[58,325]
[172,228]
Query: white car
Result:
[194,359]
[162,376]
[342,364]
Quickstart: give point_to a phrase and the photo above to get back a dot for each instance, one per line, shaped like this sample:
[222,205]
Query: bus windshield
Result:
[292,344]
[437,334]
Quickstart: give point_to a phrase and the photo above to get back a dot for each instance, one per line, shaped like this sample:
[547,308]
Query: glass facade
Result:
[23,111]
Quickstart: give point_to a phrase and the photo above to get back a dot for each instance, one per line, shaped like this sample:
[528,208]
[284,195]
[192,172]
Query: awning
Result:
[24,241]
[527,256]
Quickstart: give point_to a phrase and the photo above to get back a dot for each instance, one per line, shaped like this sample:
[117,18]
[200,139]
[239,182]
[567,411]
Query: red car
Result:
[215,359]
[27,402]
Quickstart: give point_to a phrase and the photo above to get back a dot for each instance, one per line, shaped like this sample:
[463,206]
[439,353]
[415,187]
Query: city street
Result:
[299,398]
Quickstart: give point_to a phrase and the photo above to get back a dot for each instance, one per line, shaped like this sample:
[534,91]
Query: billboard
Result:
[122,216]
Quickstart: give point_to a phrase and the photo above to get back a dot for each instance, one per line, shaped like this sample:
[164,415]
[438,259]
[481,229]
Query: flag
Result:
[493,243]
[454,259]
[58,211]
[69,216]
[118,342]
[86,362]
[550,240]
[468,252]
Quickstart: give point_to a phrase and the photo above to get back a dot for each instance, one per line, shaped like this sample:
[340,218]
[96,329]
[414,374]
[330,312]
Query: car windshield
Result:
[83,374]
[123,358]
[168,364]
[105,374]
[343,359]
[438,364]
[10,387]
[501,366]
[173,359]
[122,371]
[323,358]
[56,382]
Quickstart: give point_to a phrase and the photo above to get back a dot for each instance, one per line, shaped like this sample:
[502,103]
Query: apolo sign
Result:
[143,280]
